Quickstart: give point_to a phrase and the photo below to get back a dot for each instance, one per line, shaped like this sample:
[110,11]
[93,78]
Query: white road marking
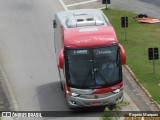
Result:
[80,3]
[131,101]
[64,6]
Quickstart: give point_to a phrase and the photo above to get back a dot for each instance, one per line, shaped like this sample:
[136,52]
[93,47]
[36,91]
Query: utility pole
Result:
[153,55]
[106,2]
[124,23]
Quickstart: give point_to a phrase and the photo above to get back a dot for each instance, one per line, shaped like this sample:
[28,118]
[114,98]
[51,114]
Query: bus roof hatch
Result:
[82,19]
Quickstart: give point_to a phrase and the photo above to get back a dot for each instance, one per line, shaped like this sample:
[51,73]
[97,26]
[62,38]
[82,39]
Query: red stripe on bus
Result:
[108,89]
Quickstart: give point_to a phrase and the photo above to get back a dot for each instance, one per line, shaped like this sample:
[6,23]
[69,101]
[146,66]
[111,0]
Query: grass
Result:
[140,37]
[113,113]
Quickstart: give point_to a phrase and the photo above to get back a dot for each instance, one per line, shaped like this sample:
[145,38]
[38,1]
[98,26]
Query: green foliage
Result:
[113,114]
[140,37]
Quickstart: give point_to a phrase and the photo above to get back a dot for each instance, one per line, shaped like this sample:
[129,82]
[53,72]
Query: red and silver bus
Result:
[89,58]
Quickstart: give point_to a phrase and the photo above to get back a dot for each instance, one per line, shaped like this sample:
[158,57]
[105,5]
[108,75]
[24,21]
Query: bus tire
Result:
[61,86]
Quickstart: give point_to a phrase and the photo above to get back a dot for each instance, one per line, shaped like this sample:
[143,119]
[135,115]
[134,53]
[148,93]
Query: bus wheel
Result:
[61,86]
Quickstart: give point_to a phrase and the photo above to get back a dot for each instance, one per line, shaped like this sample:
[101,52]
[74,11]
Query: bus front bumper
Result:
[77,102]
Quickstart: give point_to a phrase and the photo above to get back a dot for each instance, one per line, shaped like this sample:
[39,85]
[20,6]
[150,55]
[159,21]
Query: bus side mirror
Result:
[54,24]
[123,55]
[61,59]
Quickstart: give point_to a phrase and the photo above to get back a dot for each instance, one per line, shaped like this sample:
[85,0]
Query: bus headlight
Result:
[75,94]
[116,91]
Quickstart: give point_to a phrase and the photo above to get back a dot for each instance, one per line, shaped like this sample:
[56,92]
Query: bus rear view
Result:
[89,58]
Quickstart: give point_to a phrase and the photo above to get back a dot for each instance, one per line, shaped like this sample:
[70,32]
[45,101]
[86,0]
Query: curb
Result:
[8,90]
[142,88]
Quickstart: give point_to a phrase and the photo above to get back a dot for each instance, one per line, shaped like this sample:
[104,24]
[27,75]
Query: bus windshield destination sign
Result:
[79,52]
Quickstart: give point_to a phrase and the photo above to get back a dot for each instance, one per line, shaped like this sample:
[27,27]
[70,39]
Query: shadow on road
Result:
[51,97]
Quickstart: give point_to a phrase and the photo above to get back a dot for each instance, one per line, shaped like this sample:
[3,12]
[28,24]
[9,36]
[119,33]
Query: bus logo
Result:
[96,96]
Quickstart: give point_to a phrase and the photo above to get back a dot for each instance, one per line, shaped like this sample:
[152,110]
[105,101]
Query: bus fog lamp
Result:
[73,102]
[119,99]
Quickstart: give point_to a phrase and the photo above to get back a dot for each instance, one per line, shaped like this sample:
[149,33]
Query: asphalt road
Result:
[149,7]
[154,2]
[27,53]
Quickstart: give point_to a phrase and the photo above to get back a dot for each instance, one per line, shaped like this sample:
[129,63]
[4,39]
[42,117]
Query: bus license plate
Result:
[96,103]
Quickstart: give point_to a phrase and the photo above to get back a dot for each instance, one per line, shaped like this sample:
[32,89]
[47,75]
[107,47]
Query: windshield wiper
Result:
[88,75]
[102,78]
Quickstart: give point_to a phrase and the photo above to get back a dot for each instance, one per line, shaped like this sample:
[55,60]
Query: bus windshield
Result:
[93,67]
